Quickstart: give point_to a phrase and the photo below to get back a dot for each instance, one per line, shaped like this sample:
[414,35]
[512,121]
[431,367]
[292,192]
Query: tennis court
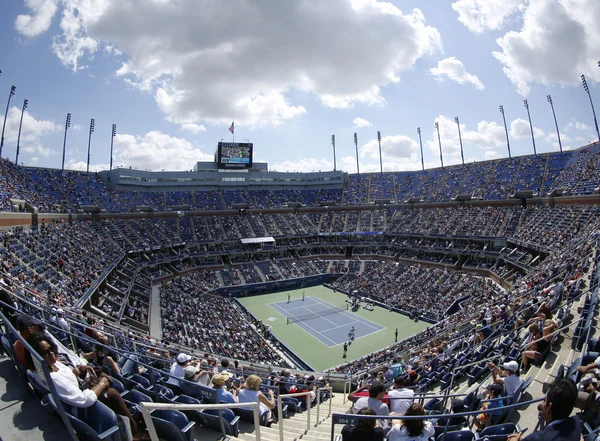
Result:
[320,354]
[327,323]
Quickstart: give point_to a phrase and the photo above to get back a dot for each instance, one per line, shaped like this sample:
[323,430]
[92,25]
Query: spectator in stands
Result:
[481,420]
[101,358]
[249,393]
[412,430]
[26,326]
[218,381]
[365,430]
[374,401]
[178,368]
[535,350]
[457,406]
[558,405]
[67,386]
[506,375]
[195,375]
[400,397]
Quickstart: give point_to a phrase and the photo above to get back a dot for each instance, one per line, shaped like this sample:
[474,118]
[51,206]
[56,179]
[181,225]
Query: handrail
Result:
[280,410]
[172,406]
[319,389]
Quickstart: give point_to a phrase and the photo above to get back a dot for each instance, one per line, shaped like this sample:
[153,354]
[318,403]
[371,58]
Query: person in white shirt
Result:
[507,376]
[178,368]
[412,430]
[400,397]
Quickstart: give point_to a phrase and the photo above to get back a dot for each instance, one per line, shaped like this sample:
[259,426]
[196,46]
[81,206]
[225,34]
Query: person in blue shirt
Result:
[218,381]
[481,420]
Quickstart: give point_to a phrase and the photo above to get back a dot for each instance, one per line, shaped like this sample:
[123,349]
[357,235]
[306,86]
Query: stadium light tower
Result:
[587,89]
[25,102]
[506,130]
[421,144]
[12,92]
[555,123]
[112,138]
[67,125]
[380,161]
[462,156]
[437,127]
[526,104]
[356,147]
[90,143]
[333,145]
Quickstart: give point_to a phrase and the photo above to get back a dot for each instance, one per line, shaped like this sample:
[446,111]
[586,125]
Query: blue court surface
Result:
[324,321]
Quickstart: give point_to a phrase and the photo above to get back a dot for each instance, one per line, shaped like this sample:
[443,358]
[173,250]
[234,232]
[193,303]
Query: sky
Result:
[173,75]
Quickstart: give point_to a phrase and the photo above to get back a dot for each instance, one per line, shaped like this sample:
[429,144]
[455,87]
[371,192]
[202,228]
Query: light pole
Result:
[421,144]
[89,144]
[380,161]
[555,123]
[506,130]
[526,104]
[25,102]
[462,156]
[333,145]
[356,146]
[67,125]
[112,138]
[12,92]
[587,89]
[437,127]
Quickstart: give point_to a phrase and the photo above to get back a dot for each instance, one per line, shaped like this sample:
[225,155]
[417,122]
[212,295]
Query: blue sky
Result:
[173,75]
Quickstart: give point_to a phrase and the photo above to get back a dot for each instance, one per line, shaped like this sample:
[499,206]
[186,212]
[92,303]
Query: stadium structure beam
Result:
[437,127]
[587,89]
[380,160]
[526,104]
[555,123]
[112,138]
[25,102]
[333,145]
[356,147]
[505,130]
[462,156]
[12,92]
[90,143]
[67,125]
[421,144]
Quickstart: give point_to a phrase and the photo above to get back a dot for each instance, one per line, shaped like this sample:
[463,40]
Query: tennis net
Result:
[313,315]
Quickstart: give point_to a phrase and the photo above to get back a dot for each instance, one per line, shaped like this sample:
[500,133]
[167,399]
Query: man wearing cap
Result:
[400,397]
[457,406]
[218,381]
[178,368]
[506,376]
[60,320]
[26,326]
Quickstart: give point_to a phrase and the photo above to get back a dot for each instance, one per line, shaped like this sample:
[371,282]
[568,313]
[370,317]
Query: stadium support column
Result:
[112,138]
[587,89]
[505,130]
[526,104]
[437,127]
[356,147]
[333,145]
[90,143]
[462,156]
[421,144]
[380,160]
[12,92]
[25,102]
[555,123]
[67,125]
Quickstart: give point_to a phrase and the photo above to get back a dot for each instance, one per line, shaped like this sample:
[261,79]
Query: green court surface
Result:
[310,349]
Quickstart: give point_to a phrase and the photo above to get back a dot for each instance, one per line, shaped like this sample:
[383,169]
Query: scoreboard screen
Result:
[234,155]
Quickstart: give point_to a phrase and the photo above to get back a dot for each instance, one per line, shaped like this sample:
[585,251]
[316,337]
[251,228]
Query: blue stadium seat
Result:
[211,419]
[172,425]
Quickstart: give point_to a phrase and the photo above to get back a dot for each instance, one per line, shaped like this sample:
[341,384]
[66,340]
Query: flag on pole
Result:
[231,128]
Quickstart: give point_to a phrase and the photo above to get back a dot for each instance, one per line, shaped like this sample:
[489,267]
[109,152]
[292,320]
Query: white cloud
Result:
[199,73]
[399,152]
[303,165]
[558,42]
[32,132]
[82,166]
[359,123]
[194,128]
[520,129]
[565,140]
[486,15]
[39,21]
[156,151]
[455,70]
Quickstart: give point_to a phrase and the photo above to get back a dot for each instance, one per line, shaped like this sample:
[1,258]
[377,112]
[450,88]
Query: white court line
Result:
[355,317]
[277,308]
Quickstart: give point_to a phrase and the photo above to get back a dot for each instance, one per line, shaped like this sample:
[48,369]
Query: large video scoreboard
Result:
[234,155]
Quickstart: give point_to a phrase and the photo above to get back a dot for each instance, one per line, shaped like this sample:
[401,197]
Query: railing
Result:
[280,409]
[328,389]
[146,407]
